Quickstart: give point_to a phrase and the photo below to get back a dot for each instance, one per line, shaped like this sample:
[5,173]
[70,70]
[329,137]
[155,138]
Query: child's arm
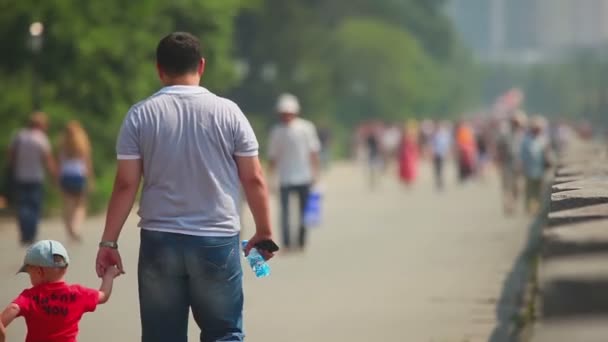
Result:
[2,332]
[106,284]
[8,315]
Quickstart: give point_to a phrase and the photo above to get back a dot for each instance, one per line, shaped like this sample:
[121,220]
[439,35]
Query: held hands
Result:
[108,259]
[112,272]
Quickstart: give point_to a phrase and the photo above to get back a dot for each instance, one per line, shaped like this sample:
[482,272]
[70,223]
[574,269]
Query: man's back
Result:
[30,148]
[291,146]
[187,138]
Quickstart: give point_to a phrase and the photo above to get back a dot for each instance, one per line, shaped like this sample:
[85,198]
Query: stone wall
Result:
[572,303]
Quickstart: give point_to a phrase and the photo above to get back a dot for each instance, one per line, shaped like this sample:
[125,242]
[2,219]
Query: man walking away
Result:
[294,153]
[29,155]
[194,147]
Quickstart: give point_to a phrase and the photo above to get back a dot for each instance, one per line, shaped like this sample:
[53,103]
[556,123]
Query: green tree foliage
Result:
[98,59]
[307,41]
[374,80]
[424,19]
[347,60]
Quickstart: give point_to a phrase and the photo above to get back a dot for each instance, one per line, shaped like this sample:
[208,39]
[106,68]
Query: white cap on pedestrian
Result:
[288,104]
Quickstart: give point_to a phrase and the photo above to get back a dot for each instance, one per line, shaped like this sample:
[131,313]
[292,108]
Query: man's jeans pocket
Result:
[215,261]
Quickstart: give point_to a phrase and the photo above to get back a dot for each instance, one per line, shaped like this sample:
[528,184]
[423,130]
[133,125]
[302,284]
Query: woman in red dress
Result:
[408,154]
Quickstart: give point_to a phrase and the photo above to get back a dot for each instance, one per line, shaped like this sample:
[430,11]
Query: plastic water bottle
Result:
[312,212]
[257,262]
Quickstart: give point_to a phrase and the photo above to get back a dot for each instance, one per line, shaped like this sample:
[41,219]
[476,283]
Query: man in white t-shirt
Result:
[294,155]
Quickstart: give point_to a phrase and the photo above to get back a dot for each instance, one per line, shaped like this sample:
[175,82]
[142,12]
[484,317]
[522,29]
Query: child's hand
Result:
[112,272]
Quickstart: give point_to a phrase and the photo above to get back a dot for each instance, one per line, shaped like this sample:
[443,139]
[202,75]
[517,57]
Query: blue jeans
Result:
[302,191]
[29,209]
[180,272]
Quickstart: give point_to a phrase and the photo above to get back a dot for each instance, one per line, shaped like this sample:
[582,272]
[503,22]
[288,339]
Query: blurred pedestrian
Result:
[294,154]
[466,151]
[509,159]
[536,158]
[30,154]
[560,136]
[374,160]
[75,176]
[483,150]
[194,147]
[409,153]
[391,139]
[425,134]
[441,144]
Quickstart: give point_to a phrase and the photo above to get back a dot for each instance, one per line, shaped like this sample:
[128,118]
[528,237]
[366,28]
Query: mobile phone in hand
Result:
[267,245]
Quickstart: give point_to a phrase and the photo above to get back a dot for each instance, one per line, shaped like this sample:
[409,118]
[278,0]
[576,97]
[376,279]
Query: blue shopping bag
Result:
[312,212]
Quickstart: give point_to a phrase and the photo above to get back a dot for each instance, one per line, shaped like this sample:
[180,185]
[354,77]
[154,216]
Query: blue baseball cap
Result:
[42,254]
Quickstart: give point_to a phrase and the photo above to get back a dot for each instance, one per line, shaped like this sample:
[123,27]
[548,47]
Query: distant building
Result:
[526,31]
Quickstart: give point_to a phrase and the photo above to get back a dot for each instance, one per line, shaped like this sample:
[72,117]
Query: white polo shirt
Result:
[188,138]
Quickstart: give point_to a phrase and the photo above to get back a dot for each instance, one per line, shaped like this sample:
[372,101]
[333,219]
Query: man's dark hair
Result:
[178,53]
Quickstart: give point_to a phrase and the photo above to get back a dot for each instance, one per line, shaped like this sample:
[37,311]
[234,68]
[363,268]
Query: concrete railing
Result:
[572,302]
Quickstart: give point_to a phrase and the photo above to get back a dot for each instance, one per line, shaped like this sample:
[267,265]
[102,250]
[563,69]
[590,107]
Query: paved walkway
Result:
[390,265]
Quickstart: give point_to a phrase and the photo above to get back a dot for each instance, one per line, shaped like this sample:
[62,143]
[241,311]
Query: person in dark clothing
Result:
[373,157]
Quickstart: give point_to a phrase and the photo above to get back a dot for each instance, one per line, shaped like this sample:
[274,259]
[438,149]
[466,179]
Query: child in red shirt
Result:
[52,308]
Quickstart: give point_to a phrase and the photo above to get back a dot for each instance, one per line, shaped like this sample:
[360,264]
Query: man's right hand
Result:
[254,186]
[106,258]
